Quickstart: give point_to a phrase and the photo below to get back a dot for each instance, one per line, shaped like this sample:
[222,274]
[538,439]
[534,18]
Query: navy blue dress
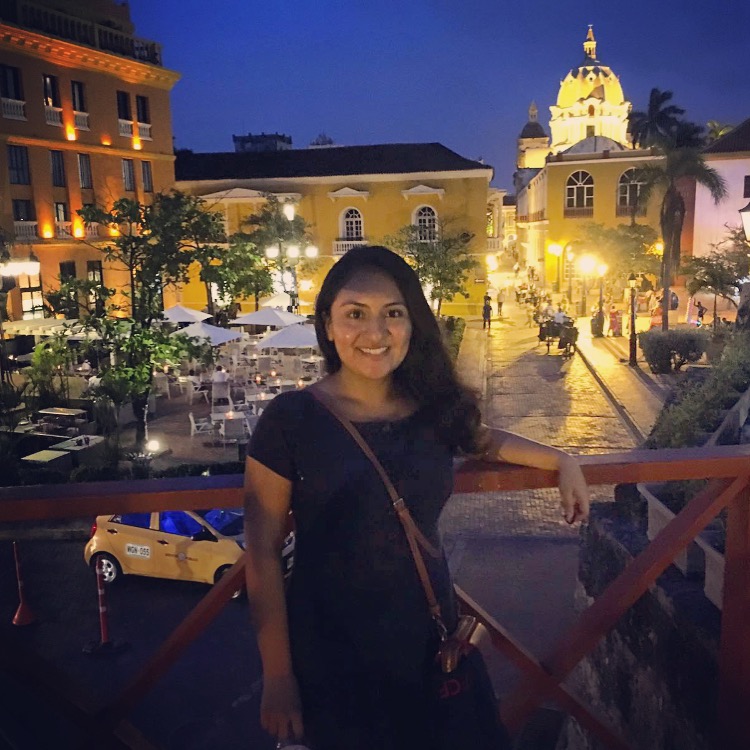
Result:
[360,631]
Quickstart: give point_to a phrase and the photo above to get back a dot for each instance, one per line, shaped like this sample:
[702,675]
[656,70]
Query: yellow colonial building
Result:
[352,195]
[84,119]
[586,171]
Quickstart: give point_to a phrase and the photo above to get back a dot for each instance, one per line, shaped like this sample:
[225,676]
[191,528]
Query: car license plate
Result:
[137,550]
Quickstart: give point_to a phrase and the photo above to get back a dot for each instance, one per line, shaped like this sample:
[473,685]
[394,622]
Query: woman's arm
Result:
[267,503]
[508,447]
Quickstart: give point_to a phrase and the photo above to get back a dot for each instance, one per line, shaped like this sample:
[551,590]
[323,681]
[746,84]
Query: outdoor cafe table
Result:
[62,460]
[59,411]
[226,416]
[84,450]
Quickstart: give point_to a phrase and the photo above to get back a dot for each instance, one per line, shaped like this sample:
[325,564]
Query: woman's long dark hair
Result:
[427,374]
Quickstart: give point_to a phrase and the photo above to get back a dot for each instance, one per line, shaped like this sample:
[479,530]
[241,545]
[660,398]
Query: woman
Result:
[345,652]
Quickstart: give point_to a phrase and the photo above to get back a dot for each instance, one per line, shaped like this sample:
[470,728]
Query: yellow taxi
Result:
[185,545]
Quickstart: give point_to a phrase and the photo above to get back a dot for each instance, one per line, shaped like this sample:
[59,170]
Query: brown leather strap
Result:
[413,535]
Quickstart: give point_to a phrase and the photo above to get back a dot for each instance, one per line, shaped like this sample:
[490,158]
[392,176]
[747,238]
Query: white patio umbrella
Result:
[213,334]
[269,316]
[180,314]
[297,336]
[282,300]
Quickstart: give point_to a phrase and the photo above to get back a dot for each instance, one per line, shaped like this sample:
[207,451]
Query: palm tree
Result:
[678,163]
[716,130]
[651,127]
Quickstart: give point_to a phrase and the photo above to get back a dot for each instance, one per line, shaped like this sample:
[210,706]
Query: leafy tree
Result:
[679,145]
[201,232]
[721,272]
[153,247]
[626,247]
[269,227]
[441,263]
[244,270]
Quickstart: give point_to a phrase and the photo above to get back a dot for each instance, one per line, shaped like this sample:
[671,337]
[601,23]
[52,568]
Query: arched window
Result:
[425,220]
[579,190]
[628,189]
[351,225]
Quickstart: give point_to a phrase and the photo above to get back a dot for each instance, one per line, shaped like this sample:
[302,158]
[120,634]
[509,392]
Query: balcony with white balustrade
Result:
[13,109]
[26,231]
[125,128]
[144,131]
[92,230]
[341,247]
[81,120]
[63,230]
[53,115]
[494,244]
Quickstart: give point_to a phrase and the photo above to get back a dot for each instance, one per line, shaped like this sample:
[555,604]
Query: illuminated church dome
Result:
[590,103]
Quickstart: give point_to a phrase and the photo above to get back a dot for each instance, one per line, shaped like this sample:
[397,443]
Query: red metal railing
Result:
[728,468]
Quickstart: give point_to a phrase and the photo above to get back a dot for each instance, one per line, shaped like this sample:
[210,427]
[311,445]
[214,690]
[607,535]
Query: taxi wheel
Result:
[217,577]
[110,567]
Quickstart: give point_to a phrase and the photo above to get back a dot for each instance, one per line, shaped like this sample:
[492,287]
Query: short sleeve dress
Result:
[360,631]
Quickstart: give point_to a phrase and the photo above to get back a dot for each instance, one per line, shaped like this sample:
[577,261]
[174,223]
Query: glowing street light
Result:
[557,251]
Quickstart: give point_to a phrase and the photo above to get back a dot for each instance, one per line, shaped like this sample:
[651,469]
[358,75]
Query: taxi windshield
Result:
[227,521]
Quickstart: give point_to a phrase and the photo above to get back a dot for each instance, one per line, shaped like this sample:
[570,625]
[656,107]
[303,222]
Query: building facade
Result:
[352,195]
[730,157]
[84,119]
[586,172]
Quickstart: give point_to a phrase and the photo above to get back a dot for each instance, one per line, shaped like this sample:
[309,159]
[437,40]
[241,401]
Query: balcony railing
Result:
[62,230]
[92,230]
[26,231]
[494,244]
[53,115]
[81,120]
[14,109]
[144,131]
[578,212]
[340,247]
[80,31]
[125,128]
[726,467]
[627,211]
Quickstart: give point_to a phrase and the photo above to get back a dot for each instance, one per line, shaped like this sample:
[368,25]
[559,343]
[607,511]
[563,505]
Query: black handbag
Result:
[468,712]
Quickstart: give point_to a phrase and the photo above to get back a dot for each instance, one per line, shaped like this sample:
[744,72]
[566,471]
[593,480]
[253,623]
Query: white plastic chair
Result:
[200,426]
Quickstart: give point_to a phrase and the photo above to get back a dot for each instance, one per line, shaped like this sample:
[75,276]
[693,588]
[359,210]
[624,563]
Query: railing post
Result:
[734,653]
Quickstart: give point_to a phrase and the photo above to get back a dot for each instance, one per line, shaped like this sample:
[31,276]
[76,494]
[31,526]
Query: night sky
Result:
[461,72]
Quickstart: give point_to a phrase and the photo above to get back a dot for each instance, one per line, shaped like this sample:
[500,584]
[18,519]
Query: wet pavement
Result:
[511,551]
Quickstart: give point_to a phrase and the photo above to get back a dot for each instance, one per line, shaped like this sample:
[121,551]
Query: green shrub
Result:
[667,351]
[696,404]
[453,332]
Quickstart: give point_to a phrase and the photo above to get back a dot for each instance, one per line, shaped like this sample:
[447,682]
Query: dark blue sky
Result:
[461,72]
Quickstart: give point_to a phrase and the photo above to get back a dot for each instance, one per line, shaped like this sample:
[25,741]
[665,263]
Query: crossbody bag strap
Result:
[410,527]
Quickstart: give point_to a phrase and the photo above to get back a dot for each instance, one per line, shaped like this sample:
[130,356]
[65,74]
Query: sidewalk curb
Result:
[616,403]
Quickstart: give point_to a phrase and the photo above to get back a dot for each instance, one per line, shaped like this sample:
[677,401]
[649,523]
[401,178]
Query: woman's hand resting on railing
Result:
[574,493]
[510,448]
[280,708]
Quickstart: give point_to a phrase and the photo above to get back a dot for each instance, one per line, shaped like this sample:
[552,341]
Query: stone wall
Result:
[654,677]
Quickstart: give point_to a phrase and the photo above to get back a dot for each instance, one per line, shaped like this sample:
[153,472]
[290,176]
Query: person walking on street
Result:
[700,311]
[500,301]
[486,312]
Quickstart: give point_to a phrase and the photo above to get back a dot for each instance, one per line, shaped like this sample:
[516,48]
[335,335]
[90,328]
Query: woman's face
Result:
[369,325]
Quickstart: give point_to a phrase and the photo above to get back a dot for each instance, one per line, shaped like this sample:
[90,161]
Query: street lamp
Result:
[557,251]
[632,282]
[745,216]
[9,269]
[601,270]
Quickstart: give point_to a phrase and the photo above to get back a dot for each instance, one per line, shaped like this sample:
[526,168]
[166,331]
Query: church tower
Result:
[590,103]
[533,142]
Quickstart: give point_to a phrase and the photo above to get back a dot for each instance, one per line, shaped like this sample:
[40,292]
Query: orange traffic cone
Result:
[24,614]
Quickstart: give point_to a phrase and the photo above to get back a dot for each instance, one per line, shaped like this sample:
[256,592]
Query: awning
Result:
[37,326]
